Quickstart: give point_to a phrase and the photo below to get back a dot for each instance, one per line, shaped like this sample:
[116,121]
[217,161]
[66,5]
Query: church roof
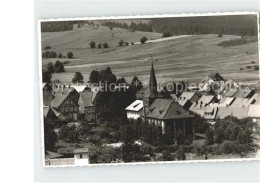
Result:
[166,109]
[152,81]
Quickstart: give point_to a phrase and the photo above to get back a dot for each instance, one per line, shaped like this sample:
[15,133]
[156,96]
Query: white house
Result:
[134,110]
[81,156]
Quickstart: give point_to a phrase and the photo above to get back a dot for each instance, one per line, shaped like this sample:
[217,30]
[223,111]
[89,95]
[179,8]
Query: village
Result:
[85,124]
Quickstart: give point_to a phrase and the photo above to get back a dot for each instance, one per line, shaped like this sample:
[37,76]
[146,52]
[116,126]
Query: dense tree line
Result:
[231,25]
[59,26]
[235,42]
[134,26]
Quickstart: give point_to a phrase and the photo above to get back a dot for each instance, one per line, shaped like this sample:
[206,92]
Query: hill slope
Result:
[185,58]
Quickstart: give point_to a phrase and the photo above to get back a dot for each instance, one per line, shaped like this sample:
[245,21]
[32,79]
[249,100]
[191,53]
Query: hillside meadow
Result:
[181,58]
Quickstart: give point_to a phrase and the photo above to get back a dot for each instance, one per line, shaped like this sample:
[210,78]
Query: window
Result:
[71,109]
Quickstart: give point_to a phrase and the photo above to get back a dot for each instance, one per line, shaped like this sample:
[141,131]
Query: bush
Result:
[69,133]
[121,43]
[92,44]
[50,67]
[47,48]
[241,68]
[105,45]
[52,54]
[58,67]
[132,43]
[59,55]
[143,40]
[256,67]
[181,153]
[78,78]
[45,54]
[166,34]
[166,156]
[66,62]
[220,35]
[126,43]
[46,77]
[99,45]
[69,55]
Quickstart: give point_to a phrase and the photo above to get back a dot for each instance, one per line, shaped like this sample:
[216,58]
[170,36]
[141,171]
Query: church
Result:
[164,112]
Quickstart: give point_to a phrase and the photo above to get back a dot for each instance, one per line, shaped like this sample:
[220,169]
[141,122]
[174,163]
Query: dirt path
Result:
[164,39]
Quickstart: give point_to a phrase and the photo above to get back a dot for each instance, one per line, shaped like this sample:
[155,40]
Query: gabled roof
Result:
[47,110]
[239,102]
[135,106]
[43,85]
[80,88]
[205,99]
[226,101]
[210,112]
[53,155]
[243,93]
[86,99]
[216,77]
[187,95]
[230,84]
[61,95]
[254,111]
[252,100]
[231,92]
[166,109]
[182,102]
[239,112]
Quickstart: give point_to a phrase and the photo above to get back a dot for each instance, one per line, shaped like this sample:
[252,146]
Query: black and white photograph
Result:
[149,89]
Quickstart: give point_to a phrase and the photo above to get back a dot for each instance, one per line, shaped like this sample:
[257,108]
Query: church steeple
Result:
[153,82]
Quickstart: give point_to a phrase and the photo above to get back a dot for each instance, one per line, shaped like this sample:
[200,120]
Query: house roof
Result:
[47,109]
[167,109]
[187,95]
[216,77]
[254,111]
[252,100]
[43,85]
[231,92]
[52,155]
[81,150]
[205,99]
[210,112]
[226,101]
[226,86]
[86,99]
[80,88]
[239,112]
[61,95]
[135,106]
[239,102]
[182,102]
[174,96]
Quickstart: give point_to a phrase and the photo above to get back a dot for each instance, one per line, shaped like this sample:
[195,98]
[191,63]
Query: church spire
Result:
[153,82]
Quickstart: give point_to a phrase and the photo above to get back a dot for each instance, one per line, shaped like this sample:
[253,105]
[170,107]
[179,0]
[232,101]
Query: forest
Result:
[230,25]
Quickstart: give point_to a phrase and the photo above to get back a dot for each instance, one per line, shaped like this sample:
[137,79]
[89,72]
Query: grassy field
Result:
[185,58]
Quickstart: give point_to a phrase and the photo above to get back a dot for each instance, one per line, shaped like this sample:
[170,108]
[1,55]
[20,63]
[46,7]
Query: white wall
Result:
[133,115]
[81,161]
